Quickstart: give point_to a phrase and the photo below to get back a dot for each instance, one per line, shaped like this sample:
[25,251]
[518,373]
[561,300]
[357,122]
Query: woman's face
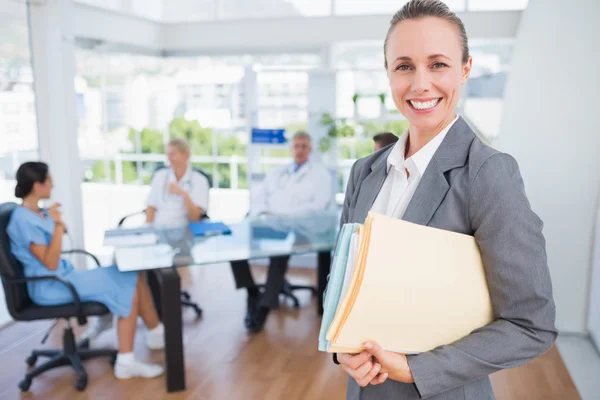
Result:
[177,158]
[44,189]
[425,71]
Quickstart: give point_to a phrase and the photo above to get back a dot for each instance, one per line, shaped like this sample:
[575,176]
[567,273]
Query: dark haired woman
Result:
[36,241]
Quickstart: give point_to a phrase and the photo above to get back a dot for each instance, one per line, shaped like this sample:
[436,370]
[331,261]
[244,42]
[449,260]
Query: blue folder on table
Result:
[209,228]
[266,232]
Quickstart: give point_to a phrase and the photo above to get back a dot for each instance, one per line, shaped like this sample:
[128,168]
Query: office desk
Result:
[252,238]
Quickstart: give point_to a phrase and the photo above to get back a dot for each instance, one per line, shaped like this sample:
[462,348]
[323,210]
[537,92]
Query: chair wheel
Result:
[112,360]
[198,312]
[186,295]
[31,360]
[24,385]
[81,384]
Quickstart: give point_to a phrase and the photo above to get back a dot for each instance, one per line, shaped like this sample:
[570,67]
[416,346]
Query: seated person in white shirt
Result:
[179,194]
[297,188]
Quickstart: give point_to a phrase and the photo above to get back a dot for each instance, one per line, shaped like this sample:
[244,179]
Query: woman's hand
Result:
[394,364]
[55,213]
[176,189]
[362,368]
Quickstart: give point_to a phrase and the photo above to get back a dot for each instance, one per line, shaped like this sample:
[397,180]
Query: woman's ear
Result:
[36,187]
[466,71]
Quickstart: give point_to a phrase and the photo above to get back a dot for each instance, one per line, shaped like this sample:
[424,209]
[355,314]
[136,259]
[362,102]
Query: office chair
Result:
[288,289]
[185,295]
[22,308]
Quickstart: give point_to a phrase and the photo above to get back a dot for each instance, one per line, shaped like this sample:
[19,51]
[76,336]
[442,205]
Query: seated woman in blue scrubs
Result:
[36,241]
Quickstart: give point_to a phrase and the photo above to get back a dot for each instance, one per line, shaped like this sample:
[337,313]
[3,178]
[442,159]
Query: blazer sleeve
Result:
[509,235]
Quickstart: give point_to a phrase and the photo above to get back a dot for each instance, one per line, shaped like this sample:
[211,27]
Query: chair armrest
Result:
[130,215]
[80,251]
[76,300]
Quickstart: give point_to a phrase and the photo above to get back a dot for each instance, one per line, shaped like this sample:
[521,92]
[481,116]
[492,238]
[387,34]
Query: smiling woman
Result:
[441,175]
[427,61]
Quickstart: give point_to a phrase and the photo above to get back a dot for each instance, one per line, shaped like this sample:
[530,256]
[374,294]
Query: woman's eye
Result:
[439,65]
[402,67]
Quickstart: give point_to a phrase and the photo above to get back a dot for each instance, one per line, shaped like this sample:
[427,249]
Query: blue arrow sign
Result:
[268,136]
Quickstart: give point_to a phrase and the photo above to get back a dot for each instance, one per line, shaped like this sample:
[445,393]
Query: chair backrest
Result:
[10,268]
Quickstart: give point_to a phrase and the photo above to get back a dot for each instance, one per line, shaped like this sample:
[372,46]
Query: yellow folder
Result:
[413,288]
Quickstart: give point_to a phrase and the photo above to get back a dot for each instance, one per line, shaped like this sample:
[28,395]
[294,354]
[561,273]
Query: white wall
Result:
[53,61]
[304,34]
[113,27]
[257,35]
[550,124]
[594,308]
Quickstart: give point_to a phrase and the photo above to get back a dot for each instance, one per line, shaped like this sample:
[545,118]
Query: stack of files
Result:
[408,287]
[126,237]
[203,228]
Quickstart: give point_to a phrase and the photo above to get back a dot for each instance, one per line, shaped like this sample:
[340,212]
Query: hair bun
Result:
[19,192]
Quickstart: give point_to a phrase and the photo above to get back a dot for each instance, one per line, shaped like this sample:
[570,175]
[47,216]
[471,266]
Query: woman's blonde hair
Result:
[180,144]
[417,9]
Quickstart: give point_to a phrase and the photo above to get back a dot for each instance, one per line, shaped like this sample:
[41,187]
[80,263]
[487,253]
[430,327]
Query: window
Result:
[131,106]
[174,11]
[18,129]
[484,95]
[361,7]
[497,5]
[239,9]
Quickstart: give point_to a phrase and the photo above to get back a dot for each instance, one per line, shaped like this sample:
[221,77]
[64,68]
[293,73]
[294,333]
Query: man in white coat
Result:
[298,188]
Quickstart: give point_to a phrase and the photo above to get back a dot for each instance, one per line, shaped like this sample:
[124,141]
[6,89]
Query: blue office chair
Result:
[22,308]
[185,295]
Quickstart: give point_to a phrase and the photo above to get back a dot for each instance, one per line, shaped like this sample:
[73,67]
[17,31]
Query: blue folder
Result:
[336,281]
[266,232]
[209,228]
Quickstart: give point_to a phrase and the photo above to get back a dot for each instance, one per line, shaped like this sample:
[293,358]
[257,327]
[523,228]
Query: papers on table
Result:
[130,237]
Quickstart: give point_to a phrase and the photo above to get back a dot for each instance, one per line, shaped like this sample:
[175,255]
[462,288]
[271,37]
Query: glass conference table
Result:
[159,250]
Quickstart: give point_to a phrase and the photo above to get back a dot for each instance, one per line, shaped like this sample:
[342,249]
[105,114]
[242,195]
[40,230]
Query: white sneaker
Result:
[155,338]
[101,324]
[135,368]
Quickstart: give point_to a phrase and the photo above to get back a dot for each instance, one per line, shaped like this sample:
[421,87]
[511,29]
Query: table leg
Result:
[168,295]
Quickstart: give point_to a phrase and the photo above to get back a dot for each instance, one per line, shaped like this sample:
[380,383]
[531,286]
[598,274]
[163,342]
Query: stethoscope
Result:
[289,174]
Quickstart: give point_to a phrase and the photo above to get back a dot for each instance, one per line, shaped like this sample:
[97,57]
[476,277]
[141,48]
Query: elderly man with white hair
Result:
[301,187]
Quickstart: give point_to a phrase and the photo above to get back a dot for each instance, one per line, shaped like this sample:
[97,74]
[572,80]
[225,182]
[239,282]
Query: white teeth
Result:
[424,105]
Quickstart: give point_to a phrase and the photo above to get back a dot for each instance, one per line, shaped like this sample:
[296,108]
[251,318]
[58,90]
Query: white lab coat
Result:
[170,208]
[286,192]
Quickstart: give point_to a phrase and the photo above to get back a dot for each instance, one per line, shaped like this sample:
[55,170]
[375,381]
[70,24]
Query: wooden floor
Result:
[224,362]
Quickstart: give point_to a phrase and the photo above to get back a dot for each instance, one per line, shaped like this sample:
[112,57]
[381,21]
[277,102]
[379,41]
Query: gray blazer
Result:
[471,188]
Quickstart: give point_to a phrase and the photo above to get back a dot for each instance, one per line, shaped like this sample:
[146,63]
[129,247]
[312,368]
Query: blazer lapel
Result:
[452,153]
[370,187]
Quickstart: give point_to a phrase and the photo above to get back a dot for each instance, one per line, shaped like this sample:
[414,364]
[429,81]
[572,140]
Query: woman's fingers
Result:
[360,372]
[353,361]
[369,376]
[379,379]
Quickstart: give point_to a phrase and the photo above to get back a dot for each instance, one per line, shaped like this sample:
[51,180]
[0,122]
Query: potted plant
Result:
[355,101]
[383,112]
[336,128]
